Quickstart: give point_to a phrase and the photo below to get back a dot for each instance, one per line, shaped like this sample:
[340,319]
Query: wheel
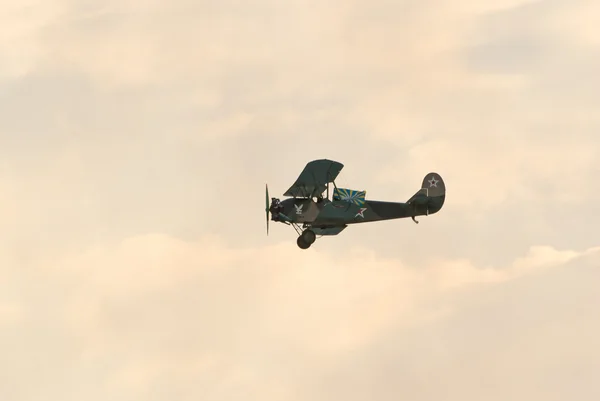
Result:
[301,243]
[309,236]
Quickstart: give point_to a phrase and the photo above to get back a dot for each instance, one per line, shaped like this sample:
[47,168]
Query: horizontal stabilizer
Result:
[420,198]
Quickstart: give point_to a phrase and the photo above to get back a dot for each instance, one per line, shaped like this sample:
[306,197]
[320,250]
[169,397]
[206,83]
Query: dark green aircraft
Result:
[320,215]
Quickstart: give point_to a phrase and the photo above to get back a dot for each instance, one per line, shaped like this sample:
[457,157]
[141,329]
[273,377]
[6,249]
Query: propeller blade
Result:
[267,206]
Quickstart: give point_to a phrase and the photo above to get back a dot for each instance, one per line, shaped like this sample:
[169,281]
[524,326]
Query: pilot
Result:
[275,208]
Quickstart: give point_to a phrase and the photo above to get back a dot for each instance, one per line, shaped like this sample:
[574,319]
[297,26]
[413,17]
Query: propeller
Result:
[267,206]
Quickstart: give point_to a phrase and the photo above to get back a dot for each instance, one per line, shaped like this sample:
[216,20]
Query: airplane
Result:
[312,214]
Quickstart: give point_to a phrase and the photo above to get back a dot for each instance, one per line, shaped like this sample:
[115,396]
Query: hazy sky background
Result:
[136,138]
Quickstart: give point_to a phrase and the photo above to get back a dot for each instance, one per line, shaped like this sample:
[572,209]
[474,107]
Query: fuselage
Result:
[297,210]
[325,212]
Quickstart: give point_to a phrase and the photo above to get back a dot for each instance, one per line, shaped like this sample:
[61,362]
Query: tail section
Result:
[435,186]
[430,198]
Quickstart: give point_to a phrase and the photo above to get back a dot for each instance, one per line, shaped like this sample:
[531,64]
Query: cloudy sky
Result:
[136,138]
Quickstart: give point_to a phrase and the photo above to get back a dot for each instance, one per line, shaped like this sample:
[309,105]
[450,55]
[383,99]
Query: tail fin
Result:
[434,185]
[430,198]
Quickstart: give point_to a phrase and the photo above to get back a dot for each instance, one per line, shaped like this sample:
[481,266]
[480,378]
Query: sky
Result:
[136,138]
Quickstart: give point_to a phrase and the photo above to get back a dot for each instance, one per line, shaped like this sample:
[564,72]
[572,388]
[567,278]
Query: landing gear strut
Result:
[306,239]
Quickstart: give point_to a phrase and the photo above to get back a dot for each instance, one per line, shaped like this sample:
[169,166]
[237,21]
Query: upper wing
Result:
[314,178]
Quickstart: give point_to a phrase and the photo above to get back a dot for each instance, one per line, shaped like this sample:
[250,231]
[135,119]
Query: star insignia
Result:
[433,182]
[360,212]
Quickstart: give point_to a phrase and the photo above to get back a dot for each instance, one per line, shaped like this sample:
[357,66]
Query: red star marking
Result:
[360,213]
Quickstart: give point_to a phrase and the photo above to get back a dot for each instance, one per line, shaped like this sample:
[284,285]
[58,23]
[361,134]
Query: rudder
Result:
[434,184]
[430,198]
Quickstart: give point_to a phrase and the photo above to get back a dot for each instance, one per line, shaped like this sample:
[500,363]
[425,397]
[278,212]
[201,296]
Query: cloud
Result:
[9,314]
[521,338]
[574,22]
[141,105]
[191,318]
[547,171]
[136,138]
[20,27]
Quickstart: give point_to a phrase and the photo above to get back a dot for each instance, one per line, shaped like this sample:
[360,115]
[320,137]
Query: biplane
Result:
[312,214]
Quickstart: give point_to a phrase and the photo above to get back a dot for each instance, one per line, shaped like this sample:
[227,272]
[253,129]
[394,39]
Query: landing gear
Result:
[306,239]
[308,236]
[302,244]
